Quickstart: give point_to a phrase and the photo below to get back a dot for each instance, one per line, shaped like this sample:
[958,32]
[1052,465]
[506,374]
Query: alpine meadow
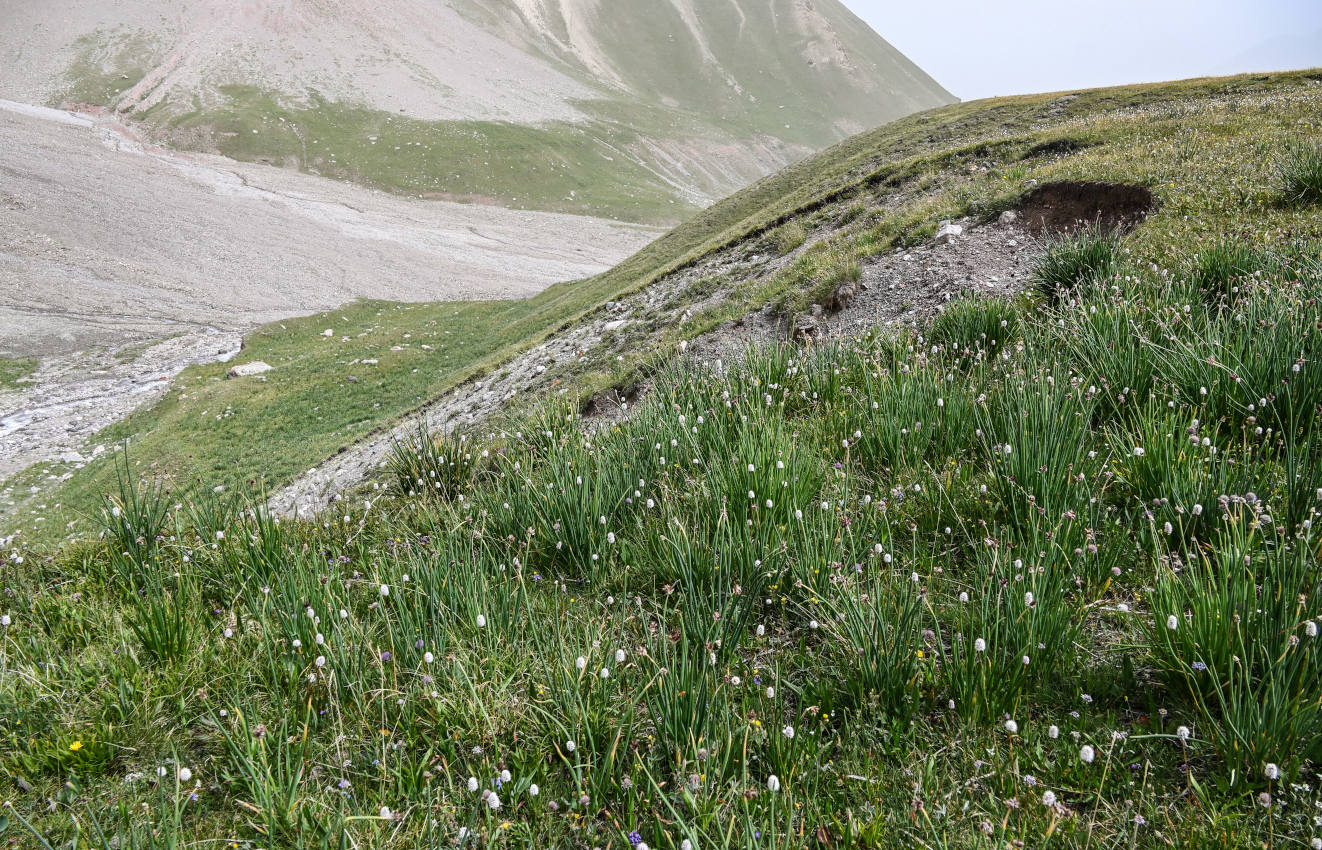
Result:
[955,487]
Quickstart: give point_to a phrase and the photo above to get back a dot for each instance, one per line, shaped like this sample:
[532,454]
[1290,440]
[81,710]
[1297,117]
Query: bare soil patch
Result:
[1057,207]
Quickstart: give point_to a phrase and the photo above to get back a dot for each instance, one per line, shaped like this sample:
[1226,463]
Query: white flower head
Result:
[472,784]
[1087,754]
[773,783]
[1049,799]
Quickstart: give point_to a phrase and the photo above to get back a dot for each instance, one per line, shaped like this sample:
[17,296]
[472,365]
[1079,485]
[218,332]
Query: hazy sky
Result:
[977,48]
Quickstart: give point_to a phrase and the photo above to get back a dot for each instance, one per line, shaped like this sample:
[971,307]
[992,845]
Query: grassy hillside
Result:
[1204,147]
[1041,573]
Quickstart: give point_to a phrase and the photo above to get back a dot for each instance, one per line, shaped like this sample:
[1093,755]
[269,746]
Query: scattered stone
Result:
[328,333]
[351,379]
[844,293]
[947,232]
[245,370]
[611,327]
[1009,217]
[806,329]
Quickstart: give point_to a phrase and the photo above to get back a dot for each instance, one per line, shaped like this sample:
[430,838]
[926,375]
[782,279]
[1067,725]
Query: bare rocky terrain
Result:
[904,287]
[106,243]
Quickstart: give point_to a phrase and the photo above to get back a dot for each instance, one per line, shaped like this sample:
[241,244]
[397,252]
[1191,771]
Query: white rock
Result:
[329,332]
[244,370]
[1009,217]
[948,232]
[615,325]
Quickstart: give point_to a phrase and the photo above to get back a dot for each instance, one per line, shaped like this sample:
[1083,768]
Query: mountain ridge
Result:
[674,104]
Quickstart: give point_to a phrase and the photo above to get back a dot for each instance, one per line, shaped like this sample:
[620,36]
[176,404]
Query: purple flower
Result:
[385,656]
[1199,666]
[635,839]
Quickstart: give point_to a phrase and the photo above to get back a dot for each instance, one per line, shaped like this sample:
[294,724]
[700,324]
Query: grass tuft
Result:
[1299,174]
[1089,255]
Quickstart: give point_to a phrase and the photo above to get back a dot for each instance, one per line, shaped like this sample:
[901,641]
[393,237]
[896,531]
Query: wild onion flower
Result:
[788,732]
[428,658]
[605,673]
[1053,731]
[619,656]
[1012,727]
[1172,622]
[773,783]
[321,661]
[481,621]
[570,745]
[385,590]
[1182,733]
[493,800]
[1272,772]
[979,645]
[771,692]
[533,790]
[386,813]
[581,663]
[185,774]
[1087,754]
[5,620]
[1310,628]
[472,784]
[1049,799]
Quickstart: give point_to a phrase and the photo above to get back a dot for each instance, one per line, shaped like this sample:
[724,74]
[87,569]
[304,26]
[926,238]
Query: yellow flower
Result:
[76,746]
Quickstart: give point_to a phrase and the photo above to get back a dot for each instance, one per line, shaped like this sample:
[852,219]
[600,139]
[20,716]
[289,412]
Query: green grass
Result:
[1300,174]
[105,67]
[560,166]
[1086,256]
[1206,148]
[822,565]
[733,620]
[12,369]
